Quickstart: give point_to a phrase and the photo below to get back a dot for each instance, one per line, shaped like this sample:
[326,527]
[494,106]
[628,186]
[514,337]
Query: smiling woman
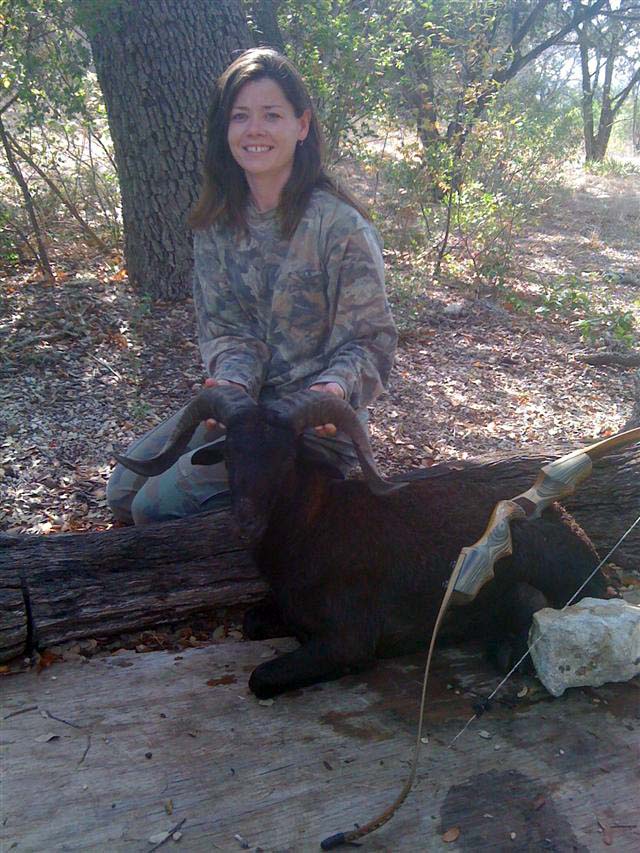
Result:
[288,282]
[263,133]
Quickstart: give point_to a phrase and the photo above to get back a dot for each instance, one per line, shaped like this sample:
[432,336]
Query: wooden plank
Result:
[144,731]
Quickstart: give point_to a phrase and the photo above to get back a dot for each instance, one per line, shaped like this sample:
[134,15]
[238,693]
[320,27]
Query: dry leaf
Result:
[225,679]
[451,835]
[47,658]
[607,834]
[539,802]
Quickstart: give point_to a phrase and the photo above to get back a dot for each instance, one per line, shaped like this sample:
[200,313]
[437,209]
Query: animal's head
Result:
[260,446]
[260,453]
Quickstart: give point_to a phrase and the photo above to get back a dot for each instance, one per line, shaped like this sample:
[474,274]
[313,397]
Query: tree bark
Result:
[587,93]
[266,30]
[622,359]
[156,61]
[57,588]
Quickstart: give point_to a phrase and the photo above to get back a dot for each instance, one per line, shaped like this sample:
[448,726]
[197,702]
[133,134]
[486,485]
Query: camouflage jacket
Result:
[279,315]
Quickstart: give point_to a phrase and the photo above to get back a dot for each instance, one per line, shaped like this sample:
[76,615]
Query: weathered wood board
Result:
[148,734]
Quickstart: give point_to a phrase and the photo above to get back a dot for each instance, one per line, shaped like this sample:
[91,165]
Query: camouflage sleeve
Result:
[363,339]
[229,347]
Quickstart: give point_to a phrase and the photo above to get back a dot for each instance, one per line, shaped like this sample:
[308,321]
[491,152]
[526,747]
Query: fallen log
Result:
[70,586]
[619,359]
[74,585]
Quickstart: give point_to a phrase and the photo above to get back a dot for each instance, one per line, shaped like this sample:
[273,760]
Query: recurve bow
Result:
[474,568]
[556,480]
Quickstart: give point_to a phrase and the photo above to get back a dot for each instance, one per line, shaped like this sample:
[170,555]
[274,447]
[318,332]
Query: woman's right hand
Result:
[210,423]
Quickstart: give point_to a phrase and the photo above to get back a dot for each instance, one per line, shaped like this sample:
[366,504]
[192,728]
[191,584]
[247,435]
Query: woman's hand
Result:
[210,423]
[327,388]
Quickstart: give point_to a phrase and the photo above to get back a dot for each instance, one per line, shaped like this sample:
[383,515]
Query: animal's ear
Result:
[209,455]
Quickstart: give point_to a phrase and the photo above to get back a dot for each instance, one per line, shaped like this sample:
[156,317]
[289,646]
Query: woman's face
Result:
[264,131]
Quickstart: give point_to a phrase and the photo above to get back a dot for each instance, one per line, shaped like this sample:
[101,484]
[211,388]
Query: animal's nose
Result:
[249,525]
[249,533]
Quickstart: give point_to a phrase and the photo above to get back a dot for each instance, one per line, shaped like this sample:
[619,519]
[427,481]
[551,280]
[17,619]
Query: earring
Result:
[300,142]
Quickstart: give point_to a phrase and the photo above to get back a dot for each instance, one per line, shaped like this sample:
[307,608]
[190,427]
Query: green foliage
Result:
[573,297]
[611,167]
[52,110]
[9,256]
[618,326]
[139,410]
[43,60]
[475,157]
[566,295]
[347,52]
[502,176]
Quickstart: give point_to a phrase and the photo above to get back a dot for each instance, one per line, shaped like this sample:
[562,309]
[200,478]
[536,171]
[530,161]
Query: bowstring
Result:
[387,814]
[535,642]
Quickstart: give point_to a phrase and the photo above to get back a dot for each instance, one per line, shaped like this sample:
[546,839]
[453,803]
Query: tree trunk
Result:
[586,101]
[265,29]
[156,62]
[57,588]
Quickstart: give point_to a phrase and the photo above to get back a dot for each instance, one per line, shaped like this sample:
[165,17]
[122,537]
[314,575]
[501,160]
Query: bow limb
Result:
[353,835]
[556,480]
[474,568]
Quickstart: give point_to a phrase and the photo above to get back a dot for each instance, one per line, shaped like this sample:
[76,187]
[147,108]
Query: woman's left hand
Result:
[328,388]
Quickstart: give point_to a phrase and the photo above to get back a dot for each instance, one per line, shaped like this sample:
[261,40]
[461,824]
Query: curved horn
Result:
[220,403]
[311,408]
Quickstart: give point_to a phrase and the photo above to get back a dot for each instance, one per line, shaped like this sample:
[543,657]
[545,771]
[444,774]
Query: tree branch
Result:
[73,210]
[620,98]
[586,14]
[43,257]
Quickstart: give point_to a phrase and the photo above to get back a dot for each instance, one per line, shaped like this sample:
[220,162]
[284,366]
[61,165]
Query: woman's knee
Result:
[154,503]
[121,491]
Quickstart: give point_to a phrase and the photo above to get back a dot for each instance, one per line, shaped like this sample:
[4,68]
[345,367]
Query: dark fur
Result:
[357,576]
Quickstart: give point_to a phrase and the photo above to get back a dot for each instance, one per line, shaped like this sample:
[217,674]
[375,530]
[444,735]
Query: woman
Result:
[288,283]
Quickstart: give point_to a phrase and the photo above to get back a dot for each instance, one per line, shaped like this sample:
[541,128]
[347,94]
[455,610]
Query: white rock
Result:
[454,309]
[588,644]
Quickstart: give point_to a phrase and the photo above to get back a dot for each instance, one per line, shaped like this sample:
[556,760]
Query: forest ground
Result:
[86,366]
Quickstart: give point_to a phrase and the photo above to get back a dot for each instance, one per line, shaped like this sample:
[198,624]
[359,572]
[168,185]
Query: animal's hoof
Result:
[505,654]
[260,688]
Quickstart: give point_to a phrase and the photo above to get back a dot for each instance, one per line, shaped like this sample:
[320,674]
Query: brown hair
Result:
[224,192]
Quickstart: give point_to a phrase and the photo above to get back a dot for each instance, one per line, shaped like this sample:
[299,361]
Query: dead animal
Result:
[357,568]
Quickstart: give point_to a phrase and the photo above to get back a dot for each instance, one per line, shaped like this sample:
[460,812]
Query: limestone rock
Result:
[588,644]
[455,309]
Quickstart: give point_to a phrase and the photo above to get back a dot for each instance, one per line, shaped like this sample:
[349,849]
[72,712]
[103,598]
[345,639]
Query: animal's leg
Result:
[317,660]
[554,554]
[514,614]
[264,621]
